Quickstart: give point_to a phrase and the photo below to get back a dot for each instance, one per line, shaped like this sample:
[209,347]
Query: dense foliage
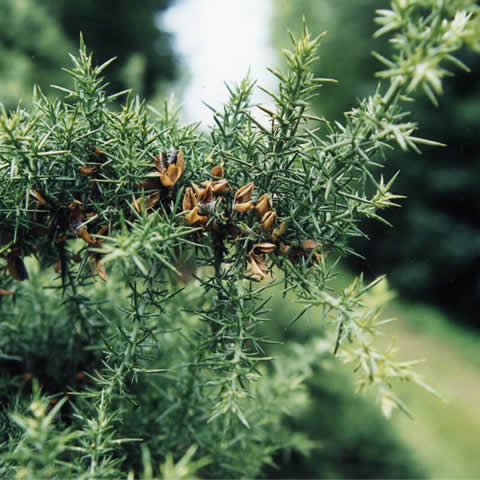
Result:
[432,252]
[163,368]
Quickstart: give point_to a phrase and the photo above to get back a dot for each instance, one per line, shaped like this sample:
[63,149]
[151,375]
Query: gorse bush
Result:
[438,232]
[131,343]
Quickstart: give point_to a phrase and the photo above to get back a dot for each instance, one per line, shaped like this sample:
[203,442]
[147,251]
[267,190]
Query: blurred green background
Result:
[431,254]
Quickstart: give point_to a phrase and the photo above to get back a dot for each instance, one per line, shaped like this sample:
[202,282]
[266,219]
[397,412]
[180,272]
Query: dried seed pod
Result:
[258,268]
[101,155]
[100,267]
[16,267]
[244,193]
[263,247]
[6,293]
[311,244]
[205,195]
[189,200]
[279,231]
[180,162]
[196,189]
[217,171]
[193,217]
[268,220]
[150,202]
[58,267]
[284,249]
[220,187]
[85,236]
[243,207]
[88,170]
[263,205]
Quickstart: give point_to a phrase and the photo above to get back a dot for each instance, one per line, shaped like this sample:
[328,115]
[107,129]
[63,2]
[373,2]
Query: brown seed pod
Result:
[279,231]
[263,247]
[243,207]
[220,187]
[311,244]
[206,194]
[258,268]
[101,154]
[189,200]
[193,217]
[102,273]
[217,171]
[268,220]
[244,193]
[88,170]
[263,205]
[82,233]
[16,267]
[150,202]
